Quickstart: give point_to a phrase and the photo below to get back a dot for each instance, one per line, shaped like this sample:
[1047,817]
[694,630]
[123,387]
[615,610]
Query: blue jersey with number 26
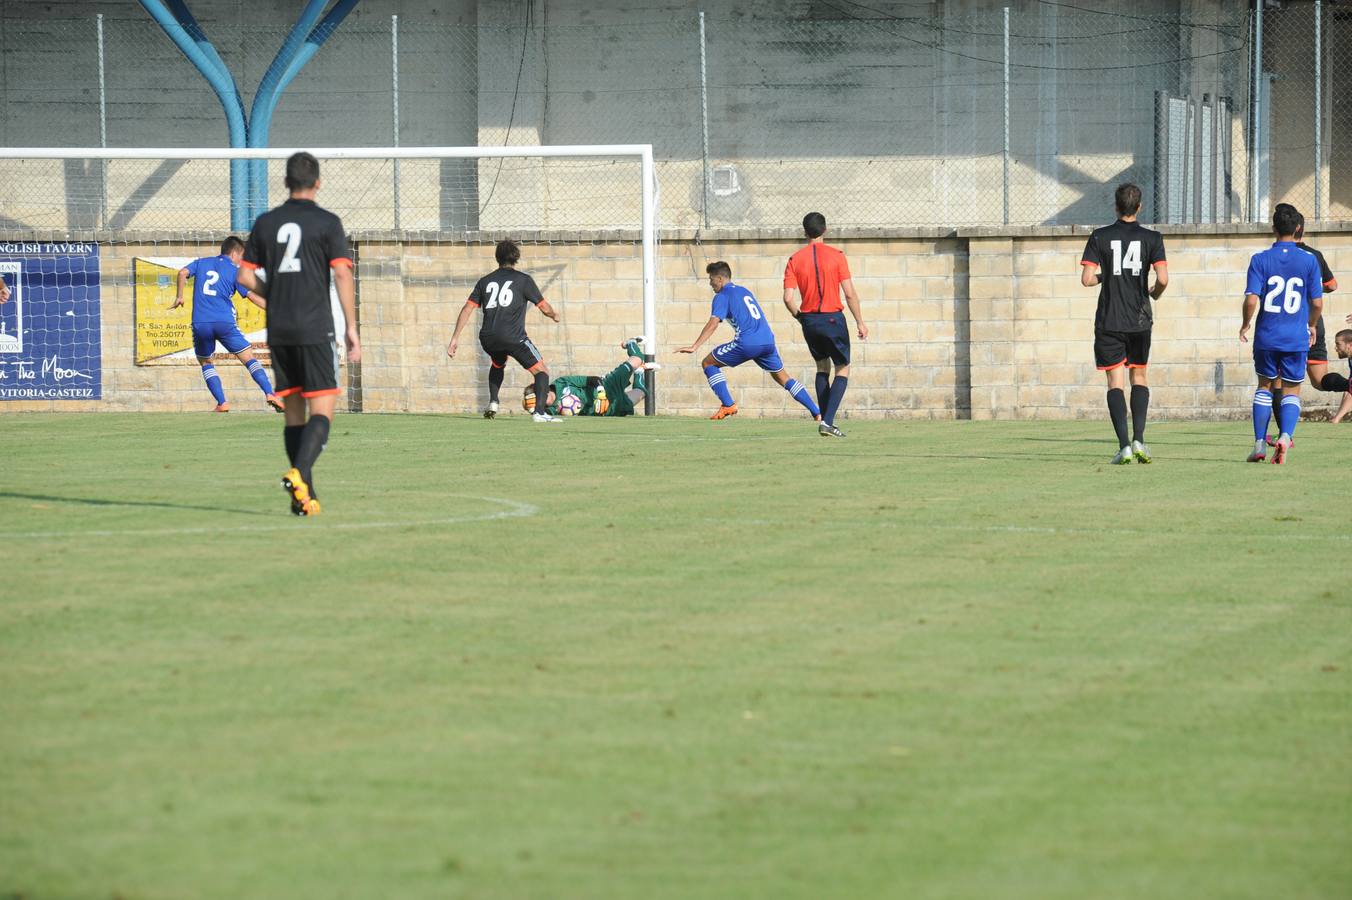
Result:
[738,307]
[1285,279]
[213,285]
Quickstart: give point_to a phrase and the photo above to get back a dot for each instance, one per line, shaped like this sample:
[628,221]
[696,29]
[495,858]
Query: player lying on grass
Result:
[1342,343]
[614,394]
[752,340]
[214,285]
[503,333]
[1284,288]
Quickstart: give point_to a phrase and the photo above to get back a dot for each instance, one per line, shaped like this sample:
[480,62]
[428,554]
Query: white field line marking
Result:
[511,509]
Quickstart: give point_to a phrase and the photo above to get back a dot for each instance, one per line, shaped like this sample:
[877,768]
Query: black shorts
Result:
[523,352]
[1319,350]
[310,370]
[1116,348]
[827,336]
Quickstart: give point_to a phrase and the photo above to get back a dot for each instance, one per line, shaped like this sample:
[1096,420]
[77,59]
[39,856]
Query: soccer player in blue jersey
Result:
[752,340]
[1285,289]
[213,318]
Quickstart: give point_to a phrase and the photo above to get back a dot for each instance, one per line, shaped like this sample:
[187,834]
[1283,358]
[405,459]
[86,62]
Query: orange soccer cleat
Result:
[724,412]
[222,407]
[275,402]
[302,504]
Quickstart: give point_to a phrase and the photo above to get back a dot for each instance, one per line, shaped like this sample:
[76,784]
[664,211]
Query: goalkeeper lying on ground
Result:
[589,395]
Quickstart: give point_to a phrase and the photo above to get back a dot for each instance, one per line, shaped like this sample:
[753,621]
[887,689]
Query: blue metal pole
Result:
[213,70]
[265,101]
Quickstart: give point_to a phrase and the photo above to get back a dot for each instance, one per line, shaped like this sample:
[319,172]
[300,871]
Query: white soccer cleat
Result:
[1141,452]
[492,409]
[545,417]
[1123,457]
[1259,452]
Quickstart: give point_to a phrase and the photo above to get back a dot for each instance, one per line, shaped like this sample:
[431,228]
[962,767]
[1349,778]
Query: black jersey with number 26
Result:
[296,244]
[1124,253]
[503,296]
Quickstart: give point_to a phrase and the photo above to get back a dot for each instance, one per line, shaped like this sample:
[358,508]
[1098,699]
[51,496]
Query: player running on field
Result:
[298,244]
[614,394]
[213,318]
[1342,343]
[1317,361]
[752,340]
[503,295]
[814,279]
[1284,288]
[1118,259]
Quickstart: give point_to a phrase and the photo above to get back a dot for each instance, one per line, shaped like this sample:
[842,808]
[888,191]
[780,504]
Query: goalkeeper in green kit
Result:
[590,395]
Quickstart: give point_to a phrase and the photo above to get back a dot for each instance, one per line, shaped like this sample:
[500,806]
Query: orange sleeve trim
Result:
[1162,262]
[335,263]
[1085,262]
[250,265]
[287,392]
[1328,284]
[472,302]
[324,393]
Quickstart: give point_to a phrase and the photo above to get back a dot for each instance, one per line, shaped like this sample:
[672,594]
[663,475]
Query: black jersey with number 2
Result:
[296,244]
[503,295]
[1124,253]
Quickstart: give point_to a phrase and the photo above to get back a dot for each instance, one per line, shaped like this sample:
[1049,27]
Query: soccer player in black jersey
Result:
[503,295]
[1342,344]
[1118,259]
[297,245]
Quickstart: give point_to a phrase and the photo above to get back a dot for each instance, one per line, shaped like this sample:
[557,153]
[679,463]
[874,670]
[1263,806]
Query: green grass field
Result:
[671,658]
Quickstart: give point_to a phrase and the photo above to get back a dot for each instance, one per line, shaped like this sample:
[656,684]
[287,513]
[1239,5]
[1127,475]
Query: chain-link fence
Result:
[1027,115]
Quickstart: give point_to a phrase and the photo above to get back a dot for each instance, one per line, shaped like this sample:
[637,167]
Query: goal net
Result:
[91,242]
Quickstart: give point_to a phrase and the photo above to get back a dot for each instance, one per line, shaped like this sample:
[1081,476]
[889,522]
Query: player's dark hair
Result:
[1285,220]
[1344,335]
[230,245]
[814,224]
[1300,219]
[302,171]
[507,253]
[1128,199]
[720,268]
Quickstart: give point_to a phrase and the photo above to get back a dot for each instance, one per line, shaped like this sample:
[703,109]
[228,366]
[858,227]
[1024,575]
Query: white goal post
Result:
[98,194]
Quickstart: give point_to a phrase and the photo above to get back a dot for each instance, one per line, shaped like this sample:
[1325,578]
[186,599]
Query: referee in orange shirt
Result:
[813,281]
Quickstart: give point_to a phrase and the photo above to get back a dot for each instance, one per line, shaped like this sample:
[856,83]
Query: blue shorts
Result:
[734,353]
[205,336]
[1289,365]
[827,336]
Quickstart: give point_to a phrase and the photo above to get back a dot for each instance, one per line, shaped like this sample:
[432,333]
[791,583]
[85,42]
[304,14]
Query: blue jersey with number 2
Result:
[213,286]
[737,306]
[1285,279]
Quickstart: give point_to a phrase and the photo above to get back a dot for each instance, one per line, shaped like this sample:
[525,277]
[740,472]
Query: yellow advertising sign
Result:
[164,335]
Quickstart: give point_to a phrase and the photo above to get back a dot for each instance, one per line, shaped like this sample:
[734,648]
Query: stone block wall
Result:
[986,324]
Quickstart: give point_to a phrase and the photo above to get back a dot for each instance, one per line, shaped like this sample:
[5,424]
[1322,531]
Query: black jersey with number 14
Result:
[503,296]
[1124,253]
[296,244]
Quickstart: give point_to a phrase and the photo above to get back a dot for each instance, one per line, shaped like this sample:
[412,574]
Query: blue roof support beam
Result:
[188,36]
[299,48]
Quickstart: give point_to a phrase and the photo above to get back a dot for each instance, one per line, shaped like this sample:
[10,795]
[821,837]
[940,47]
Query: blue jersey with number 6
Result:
[737,306]
[1285,279]
[213,287]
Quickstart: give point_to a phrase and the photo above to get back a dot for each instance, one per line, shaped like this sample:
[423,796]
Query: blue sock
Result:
[1262,412]
[823,389]
[213,382]
[719,382]
[1289,414]
[260,375]
[799,393]
[837,394]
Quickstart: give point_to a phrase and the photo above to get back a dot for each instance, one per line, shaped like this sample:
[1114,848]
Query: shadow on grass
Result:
[153,504]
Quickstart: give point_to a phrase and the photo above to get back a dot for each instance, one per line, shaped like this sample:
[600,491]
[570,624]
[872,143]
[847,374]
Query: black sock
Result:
[495,376]
[1333,382]
[291,435]
[541,392]
[1117,409]
[823,390]
[1140,403]
[312,440]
